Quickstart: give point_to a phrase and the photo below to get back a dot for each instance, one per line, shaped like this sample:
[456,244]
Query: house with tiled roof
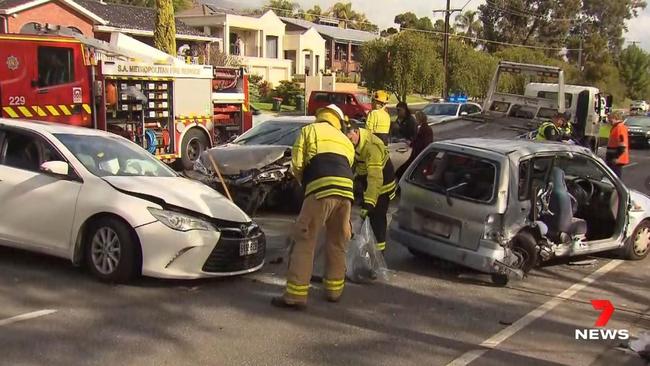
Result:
[91,18]
[341,43]
[259,41]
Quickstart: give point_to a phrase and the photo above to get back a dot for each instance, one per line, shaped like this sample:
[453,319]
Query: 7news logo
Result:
[606,310]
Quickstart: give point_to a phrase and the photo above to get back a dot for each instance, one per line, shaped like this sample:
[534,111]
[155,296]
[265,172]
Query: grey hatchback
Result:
[504,206]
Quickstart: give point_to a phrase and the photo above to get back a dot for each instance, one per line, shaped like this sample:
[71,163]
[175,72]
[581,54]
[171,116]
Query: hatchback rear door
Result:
[451,192]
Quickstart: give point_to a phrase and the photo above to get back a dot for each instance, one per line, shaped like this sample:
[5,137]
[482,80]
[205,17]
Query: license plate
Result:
[247,247]
[437,228]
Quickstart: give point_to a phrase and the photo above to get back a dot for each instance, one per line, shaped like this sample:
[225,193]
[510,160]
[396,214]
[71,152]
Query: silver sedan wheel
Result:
[642,242]
[105,249]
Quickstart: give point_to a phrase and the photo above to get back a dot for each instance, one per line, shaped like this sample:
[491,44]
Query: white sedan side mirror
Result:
[55,167]
[463,113]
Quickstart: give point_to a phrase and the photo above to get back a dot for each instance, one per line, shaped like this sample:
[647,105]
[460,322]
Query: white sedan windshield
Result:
[113,156]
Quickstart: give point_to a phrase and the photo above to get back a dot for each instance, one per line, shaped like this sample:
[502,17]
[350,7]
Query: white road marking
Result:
[630,165]
[481,126]
[527,319]
[26,316]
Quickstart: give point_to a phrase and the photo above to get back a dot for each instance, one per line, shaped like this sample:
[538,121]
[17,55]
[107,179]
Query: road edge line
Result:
[498,338]
[26,316]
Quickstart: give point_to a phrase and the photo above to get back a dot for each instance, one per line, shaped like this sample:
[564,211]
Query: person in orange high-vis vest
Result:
[618,146]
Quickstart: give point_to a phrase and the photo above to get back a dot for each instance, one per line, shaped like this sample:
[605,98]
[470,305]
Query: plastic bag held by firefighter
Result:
[364,262]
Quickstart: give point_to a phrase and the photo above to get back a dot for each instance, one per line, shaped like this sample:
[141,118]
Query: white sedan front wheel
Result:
[637,246]
[111,251]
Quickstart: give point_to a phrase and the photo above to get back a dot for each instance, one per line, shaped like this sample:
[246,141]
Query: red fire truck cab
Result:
[173,110]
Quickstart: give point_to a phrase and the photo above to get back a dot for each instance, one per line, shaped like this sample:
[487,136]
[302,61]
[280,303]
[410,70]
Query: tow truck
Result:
[173,109]
[587,110]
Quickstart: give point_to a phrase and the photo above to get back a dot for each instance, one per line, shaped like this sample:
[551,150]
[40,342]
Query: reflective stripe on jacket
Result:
[322,159]
[541,131]
[378,122]
[373,161]
[618,144]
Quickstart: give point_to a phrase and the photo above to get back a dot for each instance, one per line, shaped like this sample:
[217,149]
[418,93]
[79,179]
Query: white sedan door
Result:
[37,208]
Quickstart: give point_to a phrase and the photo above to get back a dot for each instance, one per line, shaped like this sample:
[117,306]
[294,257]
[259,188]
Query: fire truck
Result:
[173,109]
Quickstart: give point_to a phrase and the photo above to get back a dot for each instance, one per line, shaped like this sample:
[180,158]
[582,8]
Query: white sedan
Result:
[441,112]
[100,200]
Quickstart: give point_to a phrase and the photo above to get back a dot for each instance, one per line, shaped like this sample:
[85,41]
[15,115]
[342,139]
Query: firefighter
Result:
[322,159]
[618,153]
[553,131]
[377,176]
[378,121]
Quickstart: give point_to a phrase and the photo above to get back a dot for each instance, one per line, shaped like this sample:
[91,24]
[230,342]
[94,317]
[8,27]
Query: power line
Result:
[467,3]
[523,14]
[493,42]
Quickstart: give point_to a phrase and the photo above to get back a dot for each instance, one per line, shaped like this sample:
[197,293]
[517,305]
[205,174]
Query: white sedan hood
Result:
[182,193]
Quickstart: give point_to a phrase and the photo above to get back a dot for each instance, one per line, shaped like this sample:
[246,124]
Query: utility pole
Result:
[445,61]
[581,35]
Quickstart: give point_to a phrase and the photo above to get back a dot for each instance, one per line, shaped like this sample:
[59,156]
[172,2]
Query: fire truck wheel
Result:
[194,143]
[111,250]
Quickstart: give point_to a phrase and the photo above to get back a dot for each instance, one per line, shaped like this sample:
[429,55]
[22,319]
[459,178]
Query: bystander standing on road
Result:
[378,121]
[376,174]
[422,139]
[322,159]
[618,146]
[406,125]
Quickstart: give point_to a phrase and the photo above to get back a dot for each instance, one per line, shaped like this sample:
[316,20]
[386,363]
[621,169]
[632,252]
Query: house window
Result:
[55,66]
[271,46]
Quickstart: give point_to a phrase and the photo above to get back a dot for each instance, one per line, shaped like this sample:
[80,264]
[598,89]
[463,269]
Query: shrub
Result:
[254,79]
[288,90]
[265,91]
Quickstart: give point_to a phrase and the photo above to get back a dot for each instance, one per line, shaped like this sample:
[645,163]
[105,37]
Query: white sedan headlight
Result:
[180,222]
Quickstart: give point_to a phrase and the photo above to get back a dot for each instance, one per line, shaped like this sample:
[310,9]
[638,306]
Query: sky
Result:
[382,12]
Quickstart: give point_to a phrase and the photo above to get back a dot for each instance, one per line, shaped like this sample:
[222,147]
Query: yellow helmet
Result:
[381,96]
[332,115]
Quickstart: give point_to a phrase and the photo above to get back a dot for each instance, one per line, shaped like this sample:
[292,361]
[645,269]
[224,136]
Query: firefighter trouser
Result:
[379,221]
[333,213]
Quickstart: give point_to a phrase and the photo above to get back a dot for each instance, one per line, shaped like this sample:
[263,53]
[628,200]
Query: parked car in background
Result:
[639,130]
[100,200]
[354,105]
[441,112]
[255,166]
[505,206]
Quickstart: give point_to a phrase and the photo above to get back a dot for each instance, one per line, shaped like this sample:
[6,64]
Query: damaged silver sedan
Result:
[505,206]
[255,167]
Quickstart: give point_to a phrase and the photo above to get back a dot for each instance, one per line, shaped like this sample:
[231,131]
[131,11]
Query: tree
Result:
[470,71]
[354,20]
[411,21]
[312,14]
[389,32]
[164,34]
[343,11]
[634,68]
[283,8]
[469,23]
[403,64]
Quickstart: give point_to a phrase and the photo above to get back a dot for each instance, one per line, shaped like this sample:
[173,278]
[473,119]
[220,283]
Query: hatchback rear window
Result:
[461,176]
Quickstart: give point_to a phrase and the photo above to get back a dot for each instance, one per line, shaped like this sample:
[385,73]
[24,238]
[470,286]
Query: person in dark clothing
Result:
[422,139]
[406,125]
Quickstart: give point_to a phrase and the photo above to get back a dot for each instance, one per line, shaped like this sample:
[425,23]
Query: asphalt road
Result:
[429,313]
